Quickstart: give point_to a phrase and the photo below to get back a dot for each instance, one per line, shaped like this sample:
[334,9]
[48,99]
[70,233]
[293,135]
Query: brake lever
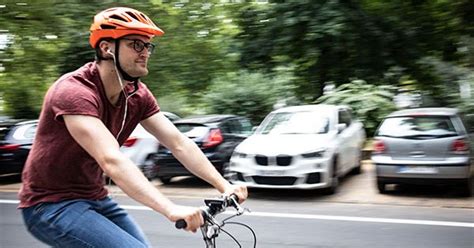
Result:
[237,206]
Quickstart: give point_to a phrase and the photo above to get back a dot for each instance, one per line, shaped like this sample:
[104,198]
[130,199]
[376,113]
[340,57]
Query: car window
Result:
[237,126]
[246,126]
[439,126]
[468,121]
[304,122]
[226,126]
[345,117]
[234,126]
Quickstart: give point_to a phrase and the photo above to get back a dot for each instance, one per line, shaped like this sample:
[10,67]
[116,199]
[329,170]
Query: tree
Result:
[338,40]
[48,39]
[249,94]
[30,56]
[371,103]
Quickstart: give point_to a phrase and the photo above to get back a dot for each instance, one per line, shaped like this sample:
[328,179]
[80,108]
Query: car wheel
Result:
[468,187]
[148,169]
[148,172]
[334,180]
[381,187]
[165,180]
[358,167]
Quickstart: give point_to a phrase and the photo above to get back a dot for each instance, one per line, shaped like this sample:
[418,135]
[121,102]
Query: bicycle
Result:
[212,227]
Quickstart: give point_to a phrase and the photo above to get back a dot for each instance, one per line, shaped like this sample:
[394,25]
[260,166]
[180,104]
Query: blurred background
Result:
[249,57]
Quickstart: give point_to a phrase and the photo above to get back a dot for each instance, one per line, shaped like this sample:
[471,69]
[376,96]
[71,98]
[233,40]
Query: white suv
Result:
[304,147]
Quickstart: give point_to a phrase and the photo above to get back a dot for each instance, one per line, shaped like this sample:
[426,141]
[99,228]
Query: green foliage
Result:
[194,49]
[338,40]
[466,103]
[30,57]
[370,103]
[248,94]
[207,41]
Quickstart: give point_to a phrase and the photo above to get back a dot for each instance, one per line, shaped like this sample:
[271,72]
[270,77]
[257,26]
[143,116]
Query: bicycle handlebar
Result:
[213,207]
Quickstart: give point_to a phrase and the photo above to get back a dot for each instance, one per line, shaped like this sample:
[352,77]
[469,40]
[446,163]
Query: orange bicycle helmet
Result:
[120,21]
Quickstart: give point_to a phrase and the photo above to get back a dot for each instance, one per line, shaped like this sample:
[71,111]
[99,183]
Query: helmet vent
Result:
[145,17]
[133,15]
[105,26]
[118,18]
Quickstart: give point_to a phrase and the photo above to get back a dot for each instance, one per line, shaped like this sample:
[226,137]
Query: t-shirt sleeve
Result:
[71,98]
[151,106]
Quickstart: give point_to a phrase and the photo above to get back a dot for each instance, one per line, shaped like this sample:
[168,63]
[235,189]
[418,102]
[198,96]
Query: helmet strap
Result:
[124,75]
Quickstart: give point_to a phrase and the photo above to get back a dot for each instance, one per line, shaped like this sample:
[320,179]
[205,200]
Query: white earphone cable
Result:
[112,191]
[124,94]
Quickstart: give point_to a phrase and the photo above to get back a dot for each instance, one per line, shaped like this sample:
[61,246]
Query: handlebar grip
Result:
[181,224]
[235,197]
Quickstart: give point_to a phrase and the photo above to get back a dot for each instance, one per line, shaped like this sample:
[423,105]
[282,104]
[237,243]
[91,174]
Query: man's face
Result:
[134,53]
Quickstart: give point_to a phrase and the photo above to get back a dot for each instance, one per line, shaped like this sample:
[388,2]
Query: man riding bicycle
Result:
[87,114]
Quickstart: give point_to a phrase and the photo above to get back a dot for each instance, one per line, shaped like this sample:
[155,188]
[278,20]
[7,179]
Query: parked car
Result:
[216,135]
[140,146]
[423,146]
[300,147]
[16,138]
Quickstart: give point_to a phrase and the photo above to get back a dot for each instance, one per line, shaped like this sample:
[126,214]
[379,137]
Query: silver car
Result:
[423,146]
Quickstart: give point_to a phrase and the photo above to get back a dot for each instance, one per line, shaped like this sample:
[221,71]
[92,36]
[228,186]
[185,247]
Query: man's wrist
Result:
[224,186]
[166,209]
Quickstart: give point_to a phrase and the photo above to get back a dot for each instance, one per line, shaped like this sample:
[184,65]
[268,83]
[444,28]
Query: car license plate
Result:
[272,172]
[418,169]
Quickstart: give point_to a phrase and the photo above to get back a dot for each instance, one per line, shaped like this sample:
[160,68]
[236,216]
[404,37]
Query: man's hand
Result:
[191,215]
[239,190]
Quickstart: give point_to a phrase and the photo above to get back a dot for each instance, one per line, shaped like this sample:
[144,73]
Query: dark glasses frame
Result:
[139,45]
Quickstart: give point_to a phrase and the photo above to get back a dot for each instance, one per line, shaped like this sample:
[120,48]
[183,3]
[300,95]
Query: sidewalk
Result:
[362,189]
[356,189]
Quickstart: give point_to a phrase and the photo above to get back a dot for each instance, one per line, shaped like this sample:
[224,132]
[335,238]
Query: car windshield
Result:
[295,123]
[417,127]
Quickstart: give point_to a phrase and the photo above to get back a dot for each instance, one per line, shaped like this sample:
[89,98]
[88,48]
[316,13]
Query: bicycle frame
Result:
[211,229]
[209,241]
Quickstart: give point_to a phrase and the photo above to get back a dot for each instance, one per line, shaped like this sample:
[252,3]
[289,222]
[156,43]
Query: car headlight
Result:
[314,154]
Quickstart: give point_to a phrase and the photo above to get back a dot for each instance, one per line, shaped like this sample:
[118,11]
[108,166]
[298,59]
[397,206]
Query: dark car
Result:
[16,138]
[216,135]
[424,146]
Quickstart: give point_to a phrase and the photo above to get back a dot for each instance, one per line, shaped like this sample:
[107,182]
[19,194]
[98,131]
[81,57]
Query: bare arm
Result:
[96,139]
[189,154]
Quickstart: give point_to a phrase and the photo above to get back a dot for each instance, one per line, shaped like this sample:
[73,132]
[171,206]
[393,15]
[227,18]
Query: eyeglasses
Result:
[139,45]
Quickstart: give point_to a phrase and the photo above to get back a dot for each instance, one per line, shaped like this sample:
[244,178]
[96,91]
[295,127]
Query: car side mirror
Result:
[340,127]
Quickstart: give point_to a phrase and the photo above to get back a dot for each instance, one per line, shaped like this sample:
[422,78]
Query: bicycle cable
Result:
[224,222]
[246,226]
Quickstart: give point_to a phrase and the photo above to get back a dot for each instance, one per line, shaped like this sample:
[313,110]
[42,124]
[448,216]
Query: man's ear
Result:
[106,49]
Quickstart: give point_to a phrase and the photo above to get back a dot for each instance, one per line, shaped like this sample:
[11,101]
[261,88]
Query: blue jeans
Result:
[83,223]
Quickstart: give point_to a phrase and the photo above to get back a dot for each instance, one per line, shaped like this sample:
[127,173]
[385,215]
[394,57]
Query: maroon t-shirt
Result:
[57,167]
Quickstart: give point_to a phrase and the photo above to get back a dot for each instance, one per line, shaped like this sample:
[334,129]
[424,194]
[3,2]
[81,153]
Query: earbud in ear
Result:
[109,52]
